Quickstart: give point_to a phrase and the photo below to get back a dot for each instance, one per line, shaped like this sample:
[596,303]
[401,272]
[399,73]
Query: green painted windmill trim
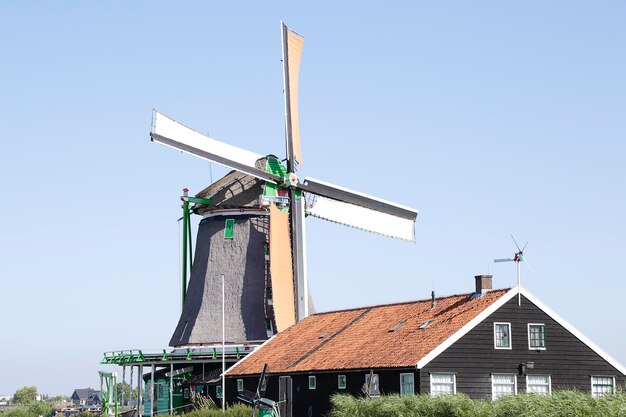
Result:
[270,191]
[197,200]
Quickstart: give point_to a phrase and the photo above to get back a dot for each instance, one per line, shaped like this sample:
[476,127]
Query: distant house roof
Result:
[85,393]
[384,336]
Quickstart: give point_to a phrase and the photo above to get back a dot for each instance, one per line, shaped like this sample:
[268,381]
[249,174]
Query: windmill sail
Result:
[169,132]
[281,269]
[351,208]
[292,52]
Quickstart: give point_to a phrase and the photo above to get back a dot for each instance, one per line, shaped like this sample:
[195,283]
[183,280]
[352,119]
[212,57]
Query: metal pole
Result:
[123,382]
[304,272]
[139,391]
[117,411]
[171,389]
[102,393]
[223,344]
[152,391]
[519,285]
[131,387]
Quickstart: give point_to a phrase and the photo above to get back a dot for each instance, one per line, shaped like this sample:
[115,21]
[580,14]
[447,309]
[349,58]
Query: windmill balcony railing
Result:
[144,356]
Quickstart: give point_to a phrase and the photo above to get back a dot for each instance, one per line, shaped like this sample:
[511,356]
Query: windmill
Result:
[517,258]
[266,202]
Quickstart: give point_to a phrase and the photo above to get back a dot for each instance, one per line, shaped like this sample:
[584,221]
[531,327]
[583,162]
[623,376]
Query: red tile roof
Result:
[383,336]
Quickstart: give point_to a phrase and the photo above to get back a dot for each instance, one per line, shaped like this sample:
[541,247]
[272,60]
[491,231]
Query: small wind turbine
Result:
[517,258]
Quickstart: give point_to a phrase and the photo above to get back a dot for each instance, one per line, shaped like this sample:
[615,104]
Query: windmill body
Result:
[253,229]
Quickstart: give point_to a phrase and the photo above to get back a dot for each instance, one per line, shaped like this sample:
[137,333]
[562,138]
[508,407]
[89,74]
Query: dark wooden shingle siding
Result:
[474,359]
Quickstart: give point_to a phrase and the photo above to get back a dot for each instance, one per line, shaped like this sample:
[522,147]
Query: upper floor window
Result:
[601,385]
[407,384]
[441,384]
[503,384]
[312,382]
[341,381]
[536,336]
[502,335]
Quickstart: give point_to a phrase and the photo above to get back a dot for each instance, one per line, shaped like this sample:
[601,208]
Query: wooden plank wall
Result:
[473,358]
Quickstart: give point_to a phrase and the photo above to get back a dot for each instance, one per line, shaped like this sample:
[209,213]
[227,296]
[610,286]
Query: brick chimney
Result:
[483,284]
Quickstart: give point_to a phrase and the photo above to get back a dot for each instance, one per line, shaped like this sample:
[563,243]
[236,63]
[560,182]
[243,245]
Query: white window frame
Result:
[536,375]
[495,340]
[312,382]
[218,391]
[544,336]
[402,393]
[442,373]
[493,392]
[598,395]
[345,382]
[240,385]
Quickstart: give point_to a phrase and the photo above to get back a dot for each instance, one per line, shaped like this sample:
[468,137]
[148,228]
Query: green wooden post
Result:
[190,247]
[185,238]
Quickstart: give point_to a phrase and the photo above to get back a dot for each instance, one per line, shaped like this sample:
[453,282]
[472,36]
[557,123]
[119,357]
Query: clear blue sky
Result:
[490,117]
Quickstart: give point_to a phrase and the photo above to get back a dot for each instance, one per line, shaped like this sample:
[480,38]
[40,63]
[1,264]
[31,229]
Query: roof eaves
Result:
[466,328]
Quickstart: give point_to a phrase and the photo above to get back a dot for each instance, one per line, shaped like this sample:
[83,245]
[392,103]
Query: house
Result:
[86,396]
[485,344]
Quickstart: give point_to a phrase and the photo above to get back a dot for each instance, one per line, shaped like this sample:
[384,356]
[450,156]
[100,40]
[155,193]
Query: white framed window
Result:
[374,388]
[536,336]
[442,383]
[341,381]
[503,384]
[602,385]
[218,391]
[539,384]
[407,384]
[240,385]
[502,335]
[312,382]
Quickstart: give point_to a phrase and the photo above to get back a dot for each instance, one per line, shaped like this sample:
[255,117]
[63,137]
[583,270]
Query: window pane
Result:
[441,384]
[502,335]
[374,390]
[341,382]
[503,385]
[601,385]
[407,386]
[537,333]
[538,384]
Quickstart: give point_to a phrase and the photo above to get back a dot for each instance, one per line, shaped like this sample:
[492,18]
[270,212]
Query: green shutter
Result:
[228,230]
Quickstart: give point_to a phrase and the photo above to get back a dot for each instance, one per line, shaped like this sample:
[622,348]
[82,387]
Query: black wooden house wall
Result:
[316,402]
[473,358]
